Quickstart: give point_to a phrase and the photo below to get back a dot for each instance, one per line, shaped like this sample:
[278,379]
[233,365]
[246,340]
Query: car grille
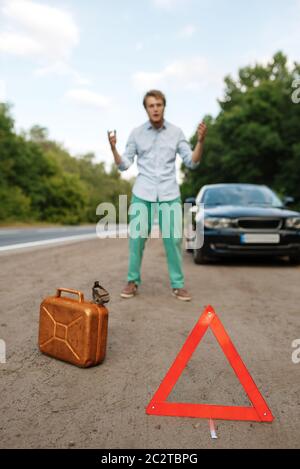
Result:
[260,223]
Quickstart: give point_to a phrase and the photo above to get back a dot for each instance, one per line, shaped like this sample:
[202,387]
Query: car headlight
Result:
[217,223]
[293,222]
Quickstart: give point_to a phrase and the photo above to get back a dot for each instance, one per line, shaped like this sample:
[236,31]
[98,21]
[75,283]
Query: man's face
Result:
[155,109]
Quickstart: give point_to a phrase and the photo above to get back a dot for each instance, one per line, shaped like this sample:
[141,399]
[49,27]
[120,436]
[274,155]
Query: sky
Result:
[81,67]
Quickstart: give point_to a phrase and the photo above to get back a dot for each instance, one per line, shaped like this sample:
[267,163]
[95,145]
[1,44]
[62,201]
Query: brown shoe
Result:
[130,290]
[181,294]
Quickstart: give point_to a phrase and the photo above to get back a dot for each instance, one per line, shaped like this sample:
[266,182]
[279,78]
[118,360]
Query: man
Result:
[156,144]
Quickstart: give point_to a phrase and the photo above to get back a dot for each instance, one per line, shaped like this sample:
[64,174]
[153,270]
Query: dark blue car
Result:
[245,220]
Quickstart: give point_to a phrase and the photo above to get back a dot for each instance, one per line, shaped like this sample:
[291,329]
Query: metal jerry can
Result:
[73,330]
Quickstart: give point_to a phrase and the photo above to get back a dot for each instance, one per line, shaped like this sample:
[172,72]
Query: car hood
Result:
[234,211]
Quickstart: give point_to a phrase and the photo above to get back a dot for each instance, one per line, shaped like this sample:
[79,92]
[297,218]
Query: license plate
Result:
[251,238]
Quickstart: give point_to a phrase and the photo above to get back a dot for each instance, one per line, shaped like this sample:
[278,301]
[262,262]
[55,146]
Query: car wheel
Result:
[199,257]
[295,259]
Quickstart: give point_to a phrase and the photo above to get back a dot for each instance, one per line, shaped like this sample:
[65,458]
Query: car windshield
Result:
[242,196]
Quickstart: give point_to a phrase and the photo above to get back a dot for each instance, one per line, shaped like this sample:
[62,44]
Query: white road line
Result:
[65,239]
[46,241]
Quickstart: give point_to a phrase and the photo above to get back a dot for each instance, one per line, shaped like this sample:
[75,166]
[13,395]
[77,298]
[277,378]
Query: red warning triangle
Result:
[158,405]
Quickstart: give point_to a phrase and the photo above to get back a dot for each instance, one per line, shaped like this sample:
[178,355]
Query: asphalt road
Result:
[50,404]
[20,238]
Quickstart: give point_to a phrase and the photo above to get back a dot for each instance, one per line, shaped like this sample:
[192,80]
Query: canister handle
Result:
[68,290]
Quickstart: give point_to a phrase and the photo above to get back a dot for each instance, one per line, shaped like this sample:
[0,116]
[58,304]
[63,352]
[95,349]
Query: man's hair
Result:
[154,94]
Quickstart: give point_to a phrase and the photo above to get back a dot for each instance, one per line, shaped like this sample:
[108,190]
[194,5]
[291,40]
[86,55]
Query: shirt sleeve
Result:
[185,152]
[127,157]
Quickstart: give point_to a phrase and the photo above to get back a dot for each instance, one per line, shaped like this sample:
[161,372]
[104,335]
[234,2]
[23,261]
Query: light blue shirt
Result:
[156,151]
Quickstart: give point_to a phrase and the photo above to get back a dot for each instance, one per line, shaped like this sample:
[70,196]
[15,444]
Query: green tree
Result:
[255,137]
[40,180]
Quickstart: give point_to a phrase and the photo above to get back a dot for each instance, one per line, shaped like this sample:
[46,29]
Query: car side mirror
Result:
[288,201]
[190,200]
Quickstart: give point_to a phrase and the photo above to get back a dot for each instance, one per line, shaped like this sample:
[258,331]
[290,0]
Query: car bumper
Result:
[224,244]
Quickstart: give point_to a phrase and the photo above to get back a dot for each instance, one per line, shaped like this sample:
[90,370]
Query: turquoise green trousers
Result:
[141,217]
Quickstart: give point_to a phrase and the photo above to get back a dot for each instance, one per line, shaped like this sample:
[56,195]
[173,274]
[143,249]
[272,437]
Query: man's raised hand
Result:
[112,138]
[201,132]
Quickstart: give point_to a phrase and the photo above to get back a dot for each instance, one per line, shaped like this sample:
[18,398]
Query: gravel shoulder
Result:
[50,404]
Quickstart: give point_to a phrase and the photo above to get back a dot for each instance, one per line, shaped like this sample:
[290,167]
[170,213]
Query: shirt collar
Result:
[164,126]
